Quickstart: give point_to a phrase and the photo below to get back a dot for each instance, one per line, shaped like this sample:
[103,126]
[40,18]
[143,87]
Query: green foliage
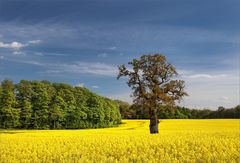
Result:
[56,112]
[9,114]
[45,105]
[23,95]
[138,111]
[40,102]
[124,108]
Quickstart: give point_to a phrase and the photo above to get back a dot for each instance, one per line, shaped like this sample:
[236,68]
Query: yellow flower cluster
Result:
[178,141]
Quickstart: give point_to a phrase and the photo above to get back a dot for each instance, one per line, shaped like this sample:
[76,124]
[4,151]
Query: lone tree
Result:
[151,79]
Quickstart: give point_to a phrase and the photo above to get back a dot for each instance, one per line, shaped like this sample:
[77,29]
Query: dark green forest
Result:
[45,105]
[136,111]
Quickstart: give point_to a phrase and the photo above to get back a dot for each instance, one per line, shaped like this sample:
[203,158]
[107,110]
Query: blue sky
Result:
[83,42]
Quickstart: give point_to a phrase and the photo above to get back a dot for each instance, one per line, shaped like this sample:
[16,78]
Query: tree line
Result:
[137,111]
[45,105]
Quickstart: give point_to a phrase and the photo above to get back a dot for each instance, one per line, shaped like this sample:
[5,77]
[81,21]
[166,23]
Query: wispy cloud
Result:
[13,45]
[89,36]
[34,41]
[190,74]
[48,54]
[225,98]
[113,48]
[80,85]
[208,76]
[18,46]
[213,89]
[33,62]
[102,55]
[84,68]
[93,68]
[95,86]
[38,53]
[19,53]
[25,61]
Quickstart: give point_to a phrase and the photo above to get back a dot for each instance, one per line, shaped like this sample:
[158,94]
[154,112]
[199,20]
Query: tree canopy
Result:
[151,79]
[45,105]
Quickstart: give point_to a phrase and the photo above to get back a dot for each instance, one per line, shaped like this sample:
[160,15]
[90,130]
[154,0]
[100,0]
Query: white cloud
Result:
[95,86]
[80,85]
[208,90]
[13,45]
[48,54]
[17,46]
[208,76]
[1,57]
[78,67]
[32,62]
[102,55]
[189,74]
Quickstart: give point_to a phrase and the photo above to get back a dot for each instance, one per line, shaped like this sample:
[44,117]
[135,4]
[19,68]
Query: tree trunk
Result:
[153,122]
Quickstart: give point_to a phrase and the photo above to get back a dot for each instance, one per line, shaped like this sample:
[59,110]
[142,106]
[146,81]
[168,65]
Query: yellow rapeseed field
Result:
[178,141]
